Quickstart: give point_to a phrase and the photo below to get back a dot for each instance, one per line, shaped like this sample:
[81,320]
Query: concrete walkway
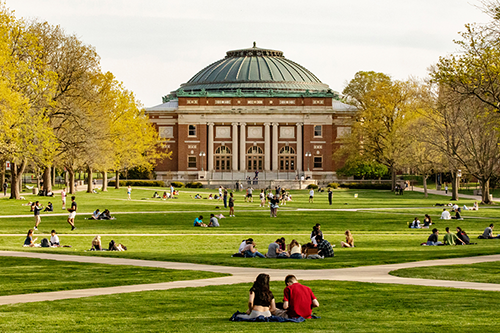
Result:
[477,198]
[369,274]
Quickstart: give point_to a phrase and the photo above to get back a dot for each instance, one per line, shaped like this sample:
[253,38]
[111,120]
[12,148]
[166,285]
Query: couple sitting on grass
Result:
[298,300]
[97,215]
[97,246]
[54,240]
[198,222]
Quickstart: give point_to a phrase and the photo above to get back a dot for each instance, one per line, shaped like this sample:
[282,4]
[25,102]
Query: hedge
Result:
[312,186]
[334,185]
[155,183]
[364,186]
[177,184]
[194,185]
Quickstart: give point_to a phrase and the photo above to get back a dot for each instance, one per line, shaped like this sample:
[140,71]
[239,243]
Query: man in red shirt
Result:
[298,300]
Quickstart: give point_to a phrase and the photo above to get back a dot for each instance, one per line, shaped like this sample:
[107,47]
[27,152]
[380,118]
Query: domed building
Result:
[253,113]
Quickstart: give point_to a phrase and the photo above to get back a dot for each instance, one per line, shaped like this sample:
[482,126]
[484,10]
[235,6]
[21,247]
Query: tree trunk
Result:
[425,186]
[485,191]
[393,178]
[53,176]
[38,182]
[90,185]
[71,181]
[66,180]
[454,186]
[117,185]
[104,180]
[47,179]
[16,172]
[2,177]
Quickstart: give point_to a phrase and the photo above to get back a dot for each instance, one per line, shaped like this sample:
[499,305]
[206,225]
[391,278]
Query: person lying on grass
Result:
[198,222]
[452,239]
[260,300]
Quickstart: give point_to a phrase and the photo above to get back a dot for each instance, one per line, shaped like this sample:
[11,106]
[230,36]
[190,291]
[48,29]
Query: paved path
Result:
[370,274]
[477,198]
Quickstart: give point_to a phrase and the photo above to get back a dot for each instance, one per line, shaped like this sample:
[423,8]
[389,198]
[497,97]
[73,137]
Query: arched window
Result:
[287,159]
[222,158]
[255,158]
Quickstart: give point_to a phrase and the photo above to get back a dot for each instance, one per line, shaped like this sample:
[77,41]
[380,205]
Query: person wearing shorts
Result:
[36,210]
[72,213]
[262,199]
[311,196]
[129,192]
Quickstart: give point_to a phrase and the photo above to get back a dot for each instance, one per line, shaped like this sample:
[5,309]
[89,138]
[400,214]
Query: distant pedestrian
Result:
[231,205]
[446,189]
[5,186]
[330,196]
[72,213]
[129,192]
[63,198]
[36,210]
[311,196]
[225,198]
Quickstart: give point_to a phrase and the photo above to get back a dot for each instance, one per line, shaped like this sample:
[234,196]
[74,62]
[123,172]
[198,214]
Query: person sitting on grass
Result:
[95,215]
[325,249]
[415,224]
[164,197]
[445,215]
[96,244]
[261,300]
[462,235]
[29,241]
[250,251]
[457,215]
[213,221]
[156,196]
[198,222]
[488,233]
[451,239]
[349,240]
[298,300]
[427,221]
[274,250]
[106,215]
[49,207]
[475,207]
[210,197]
[243,244]
[295,250]
[433,238]
[316,231]
[54,239]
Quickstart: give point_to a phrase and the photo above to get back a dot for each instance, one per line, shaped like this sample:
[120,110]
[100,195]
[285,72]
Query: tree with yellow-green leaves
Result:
[386,108]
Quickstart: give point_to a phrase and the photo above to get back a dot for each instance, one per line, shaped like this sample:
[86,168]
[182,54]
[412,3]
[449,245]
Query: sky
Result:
[154,46]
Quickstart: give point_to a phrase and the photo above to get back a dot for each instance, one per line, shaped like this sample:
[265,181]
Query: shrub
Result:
[194,185]
[177,184]
[334,185]
[153,183]
[364,186]
[312,186]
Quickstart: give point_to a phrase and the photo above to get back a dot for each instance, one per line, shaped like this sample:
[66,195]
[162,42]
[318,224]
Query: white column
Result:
[275,146]
[243,151]
[235,146]
[299,147]
[267,147]
[210,147]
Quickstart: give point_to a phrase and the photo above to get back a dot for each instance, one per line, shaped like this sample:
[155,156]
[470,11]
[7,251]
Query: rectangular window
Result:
[318,131]
[192,130]
[318,162]
[191,161]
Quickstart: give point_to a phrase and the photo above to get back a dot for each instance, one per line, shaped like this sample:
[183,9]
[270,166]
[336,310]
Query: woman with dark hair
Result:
[231,205]
[29,241]
[462,235]
[427,221]
[261,299]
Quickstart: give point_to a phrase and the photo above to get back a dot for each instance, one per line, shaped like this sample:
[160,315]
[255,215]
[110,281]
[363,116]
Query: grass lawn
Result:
[27,275]
[487,272]
[345,307]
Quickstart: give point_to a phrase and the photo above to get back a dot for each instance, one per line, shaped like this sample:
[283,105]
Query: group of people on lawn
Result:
[460,238]
[279,249]
[298,300]
[105,215]
[214,222]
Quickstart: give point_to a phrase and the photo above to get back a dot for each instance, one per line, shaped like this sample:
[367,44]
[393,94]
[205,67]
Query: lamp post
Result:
[202,154]
[308,155]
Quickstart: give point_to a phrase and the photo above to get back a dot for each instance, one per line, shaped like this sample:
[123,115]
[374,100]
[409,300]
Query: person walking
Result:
[231,205]
[225,198]
[445,189]
[5,186]
[36,210]
[72,213]
[63,198]
[311,196]
[129,192]
[330,196]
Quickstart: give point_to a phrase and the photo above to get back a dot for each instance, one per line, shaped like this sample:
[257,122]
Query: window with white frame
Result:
[192,130]
[318,131]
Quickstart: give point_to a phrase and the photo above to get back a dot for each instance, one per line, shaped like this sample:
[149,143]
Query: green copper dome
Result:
[254,70]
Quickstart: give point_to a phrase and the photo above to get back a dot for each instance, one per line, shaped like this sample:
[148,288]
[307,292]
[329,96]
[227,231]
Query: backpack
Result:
[45,242]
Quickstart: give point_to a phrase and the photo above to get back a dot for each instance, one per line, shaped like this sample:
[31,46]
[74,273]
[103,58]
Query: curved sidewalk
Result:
[369,274]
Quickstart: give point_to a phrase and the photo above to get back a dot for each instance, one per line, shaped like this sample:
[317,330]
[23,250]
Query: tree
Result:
[385,109]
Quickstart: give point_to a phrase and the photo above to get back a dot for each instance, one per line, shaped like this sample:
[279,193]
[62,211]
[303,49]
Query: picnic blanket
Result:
[274,319]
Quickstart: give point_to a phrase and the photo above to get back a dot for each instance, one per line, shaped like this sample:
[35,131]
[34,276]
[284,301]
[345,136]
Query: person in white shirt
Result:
[262,199]
[445,215]
[63,198]
[415,224]
[455,207]
[220,192]
[311,196]
[243,244]
[54,239]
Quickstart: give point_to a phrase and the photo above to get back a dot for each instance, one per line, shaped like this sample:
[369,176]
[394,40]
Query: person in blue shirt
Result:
[198,222]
